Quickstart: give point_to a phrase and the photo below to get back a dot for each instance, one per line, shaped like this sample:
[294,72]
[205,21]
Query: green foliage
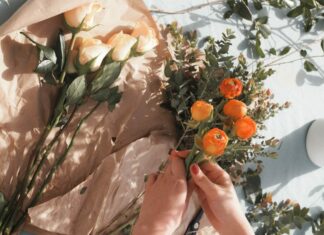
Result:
[3,201]
[76,90]
[51,60]
[309,66]
[195,75]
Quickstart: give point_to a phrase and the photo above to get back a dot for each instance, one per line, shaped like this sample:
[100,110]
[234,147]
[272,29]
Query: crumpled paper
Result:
[105,169]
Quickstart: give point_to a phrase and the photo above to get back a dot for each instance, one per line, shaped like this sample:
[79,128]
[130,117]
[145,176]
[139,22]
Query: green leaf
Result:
[3,201]
[303,53]
[60,50]
[262,19]
[76,90]
[258,48]
[106,76]
[265,30]
[295,12]
[44,67]
[48,52]
[285,51]
[322,44]
[242,10]
[228,14]
[309,67]
[114,98]
[257,4]
[321,2]
[273,51]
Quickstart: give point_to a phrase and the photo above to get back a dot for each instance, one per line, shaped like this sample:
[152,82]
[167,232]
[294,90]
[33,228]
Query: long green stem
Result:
[48,149]
[57,164]
[63,74]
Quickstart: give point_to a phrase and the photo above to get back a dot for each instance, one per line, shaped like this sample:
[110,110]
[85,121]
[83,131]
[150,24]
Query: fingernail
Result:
[195,169]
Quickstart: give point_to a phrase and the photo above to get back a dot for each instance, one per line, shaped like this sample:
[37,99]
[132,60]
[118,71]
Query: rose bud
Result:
[146,37]
[201,111]
[235,109]
[231,88]
[82,17]
[122,45]
[214,142]
[88,51]
[245,128]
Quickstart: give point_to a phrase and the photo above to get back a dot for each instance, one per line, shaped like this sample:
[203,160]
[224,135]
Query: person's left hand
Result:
[165,199]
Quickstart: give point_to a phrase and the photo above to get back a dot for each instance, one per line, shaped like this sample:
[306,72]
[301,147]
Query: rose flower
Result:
[231,88]
[235,109]
[122,45]
[87,50]
[82,15]
[214,142]
[146,37]
[245,128]
[201,110]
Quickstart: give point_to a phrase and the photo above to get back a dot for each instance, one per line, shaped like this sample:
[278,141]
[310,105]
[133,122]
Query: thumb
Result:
[201,180]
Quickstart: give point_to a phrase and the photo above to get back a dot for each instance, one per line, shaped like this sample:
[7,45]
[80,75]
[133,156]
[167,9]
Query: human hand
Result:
[165,199]
[218,199]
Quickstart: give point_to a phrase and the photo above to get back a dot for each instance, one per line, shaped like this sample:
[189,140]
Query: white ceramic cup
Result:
[315,142]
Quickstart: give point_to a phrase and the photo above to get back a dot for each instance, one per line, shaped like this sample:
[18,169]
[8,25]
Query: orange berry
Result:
[235,109]
[201,110]
[214,142]
[231,88]
[245,128]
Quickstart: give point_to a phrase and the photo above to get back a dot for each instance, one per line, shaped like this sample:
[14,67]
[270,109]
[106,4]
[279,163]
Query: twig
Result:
[288,62]
[187,10]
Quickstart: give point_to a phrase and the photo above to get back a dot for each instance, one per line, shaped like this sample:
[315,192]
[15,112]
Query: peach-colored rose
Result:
[245,128]
[122,45]
[87,49]
[84,15]
[231,87]
[146,37]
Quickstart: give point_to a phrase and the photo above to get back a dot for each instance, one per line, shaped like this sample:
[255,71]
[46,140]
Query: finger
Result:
[216,174]
[150,181]
[181,154]
[178,167]
[205,206]
[201,180]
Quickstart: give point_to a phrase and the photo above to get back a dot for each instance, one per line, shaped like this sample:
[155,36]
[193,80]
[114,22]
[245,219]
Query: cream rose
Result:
[87,49]
[146,37]
[83,15]
[122,45]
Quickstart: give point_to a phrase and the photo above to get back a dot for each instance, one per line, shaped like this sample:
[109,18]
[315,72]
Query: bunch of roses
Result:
[87,70]
[213,142]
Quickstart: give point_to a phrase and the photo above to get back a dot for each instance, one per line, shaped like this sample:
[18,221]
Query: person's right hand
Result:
[218,199]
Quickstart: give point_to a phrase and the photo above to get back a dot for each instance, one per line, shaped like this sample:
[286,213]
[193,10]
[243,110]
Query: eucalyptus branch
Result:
[187,10]
[288,62]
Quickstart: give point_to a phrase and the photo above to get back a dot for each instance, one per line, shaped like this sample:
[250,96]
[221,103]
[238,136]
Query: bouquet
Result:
[84,71]
[220,107]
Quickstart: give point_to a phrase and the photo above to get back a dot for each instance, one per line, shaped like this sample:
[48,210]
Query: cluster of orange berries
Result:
[215,140]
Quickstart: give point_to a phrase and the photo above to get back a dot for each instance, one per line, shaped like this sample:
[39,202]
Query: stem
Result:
[287,62]
[187,10]
[48,149]
[57,164]
[63,74]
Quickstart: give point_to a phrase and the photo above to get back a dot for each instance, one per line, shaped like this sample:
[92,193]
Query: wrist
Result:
[141,228]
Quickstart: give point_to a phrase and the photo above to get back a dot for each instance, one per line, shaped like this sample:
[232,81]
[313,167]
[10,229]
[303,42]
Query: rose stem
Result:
[67,57]
[54,168]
